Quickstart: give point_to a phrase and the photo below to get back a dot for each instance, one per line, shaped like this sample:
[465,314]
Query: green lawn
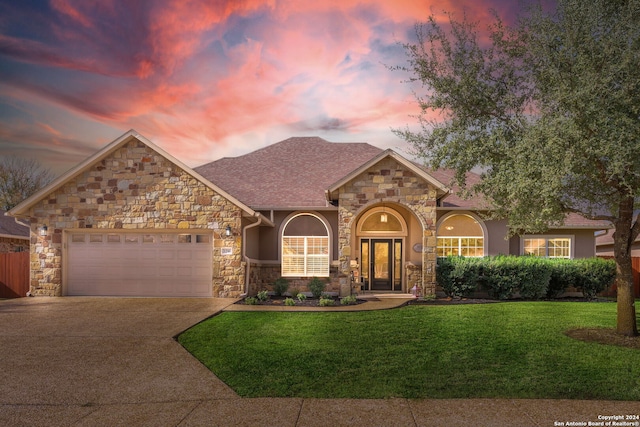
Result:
[508,350]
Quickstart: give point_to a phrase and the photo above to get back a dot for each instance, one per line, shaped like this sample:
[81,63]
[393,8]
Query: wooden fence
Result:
[14,274]
[635,264]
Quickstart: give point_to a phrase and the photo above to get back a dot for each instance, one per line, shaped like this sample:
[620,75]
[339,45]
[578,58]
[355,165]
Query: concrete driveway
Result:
[81,361]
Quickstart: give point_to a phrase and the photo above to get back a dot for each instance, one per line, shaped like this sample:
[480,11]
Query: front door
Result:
[381,264]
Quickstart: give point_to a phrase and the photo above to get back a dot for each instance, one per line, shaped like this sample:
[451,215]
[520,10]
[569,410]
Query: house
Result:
[133,220]
[14,235]
[604,244]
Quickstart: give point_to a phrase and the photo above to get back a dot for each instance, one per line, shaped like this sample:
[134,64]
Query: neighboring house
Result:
[133,220]
[604,248]
[604,244]
[14,236]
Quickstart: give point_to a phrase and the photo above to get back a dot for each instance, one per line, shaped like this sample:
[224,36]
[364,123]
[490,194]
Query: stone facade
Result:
[388,181]
[134,187]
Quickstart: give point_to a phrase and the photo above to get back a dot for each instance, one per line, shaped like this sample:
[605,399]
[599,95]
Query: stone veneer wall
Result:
[390,182]
[134,188]
[414,277]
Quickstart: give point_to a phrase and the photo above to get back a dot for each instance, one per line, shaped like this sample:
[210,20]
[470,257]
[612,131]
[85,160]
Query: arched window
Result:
[305,247]
[460,235]
[382,221]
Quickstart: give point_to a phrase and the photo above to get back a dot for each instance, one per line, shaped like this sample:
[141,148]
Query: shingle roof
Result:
[453,200]
[296,172]
[574,220]
[291,173]
[9,226]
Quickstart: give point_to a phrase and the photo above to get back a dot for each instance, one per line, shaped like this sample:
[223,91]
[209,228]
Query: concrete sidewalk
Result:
[78,361]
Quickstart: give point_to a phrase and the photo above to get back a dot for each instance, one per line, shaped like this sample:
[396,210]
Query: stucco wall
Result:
[270,236]
[584,241]
[498,244]
[134,188]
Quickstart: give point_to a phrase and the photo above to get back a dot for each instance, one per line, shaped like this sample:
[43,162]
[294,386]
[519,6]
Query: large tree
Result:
[548,108]
[19,179]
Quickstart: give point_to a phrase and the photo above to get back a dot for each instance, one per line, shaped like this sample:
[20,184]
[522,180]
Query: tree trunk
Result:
[626,322]
[622,242]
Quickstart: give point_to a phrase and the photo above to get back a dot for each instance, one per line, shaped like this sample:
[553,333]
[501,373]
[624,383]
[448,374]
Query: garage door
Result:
[139,264]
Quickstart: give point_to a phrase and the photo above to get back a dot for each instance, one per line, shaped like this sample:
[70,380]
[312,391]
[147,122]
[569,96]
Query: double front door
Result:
[381,266]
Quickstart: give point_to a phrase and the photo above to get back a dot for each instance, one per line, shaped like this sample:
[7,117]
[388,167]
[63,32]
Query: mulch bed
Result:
[604,336]
[455,301]
[309,302]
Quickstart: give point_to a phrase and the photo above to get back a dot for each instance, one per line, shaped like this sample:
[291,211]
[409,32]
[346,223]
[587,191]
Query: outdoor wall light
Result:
[383,217]
[43,230]
[227,231]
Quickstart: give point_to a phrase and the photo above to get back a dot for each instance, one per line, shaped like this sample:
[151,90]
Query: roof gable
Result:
[24,206]
[293,173]
[440,187]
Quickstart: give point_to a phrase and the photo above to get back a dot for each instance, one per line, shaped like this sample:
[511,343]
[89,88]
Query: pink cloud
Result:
[65,7]
[196,74]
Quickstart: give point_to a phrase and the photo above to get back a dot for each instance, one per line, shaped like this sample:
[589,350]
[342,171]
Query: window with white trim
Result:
[460,235]
[305,247]
[547,246]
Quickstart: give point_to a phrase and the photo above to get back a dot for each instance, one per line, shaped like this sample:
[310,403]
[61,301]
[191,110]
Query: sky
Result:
[206,79]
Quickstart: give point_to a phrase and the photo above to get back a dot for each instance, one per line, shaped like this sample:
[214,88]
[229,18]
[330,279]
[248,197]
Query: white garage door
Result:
[139,264]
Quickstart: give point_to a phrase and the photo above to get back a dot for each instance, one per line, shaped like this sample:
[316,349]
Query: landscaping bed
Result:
[456,301]
[307,302]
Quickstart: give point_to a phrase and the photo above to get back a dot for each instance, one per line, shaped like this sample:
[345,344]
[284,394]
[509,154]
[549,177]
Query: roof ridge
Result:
[275,145]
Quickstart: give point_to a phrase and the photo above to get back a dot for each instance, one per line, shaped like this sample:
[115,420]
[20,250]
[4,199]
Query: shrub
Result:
[444,266]
[280,286]
[531,277]
[595,275]
[508,275]
[294,292]
[301,297]
[458,276]
[464,277]
[325,301]
[534,276]
[289,302]
[251,301]
[563,276]
[502,274]
[316,287]
[263,296]
[348,300]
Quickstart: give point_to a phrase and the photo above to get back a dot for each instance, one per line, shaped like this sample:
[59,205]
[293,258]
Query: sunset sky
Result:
[205,79]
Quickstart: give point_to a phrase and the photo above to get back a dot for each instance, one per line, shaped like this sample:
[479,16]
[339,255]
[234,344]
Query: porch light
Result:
[43,230]
[383,217]
[227,231]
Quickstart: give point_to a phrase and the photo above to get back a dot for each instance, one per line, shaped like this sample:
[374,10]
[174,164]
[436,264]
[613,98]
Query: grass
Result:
[506,350]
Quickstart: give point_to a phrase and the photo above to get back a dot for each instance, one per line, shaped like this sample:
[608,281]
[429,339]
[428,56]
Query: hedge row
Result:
[530,277]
